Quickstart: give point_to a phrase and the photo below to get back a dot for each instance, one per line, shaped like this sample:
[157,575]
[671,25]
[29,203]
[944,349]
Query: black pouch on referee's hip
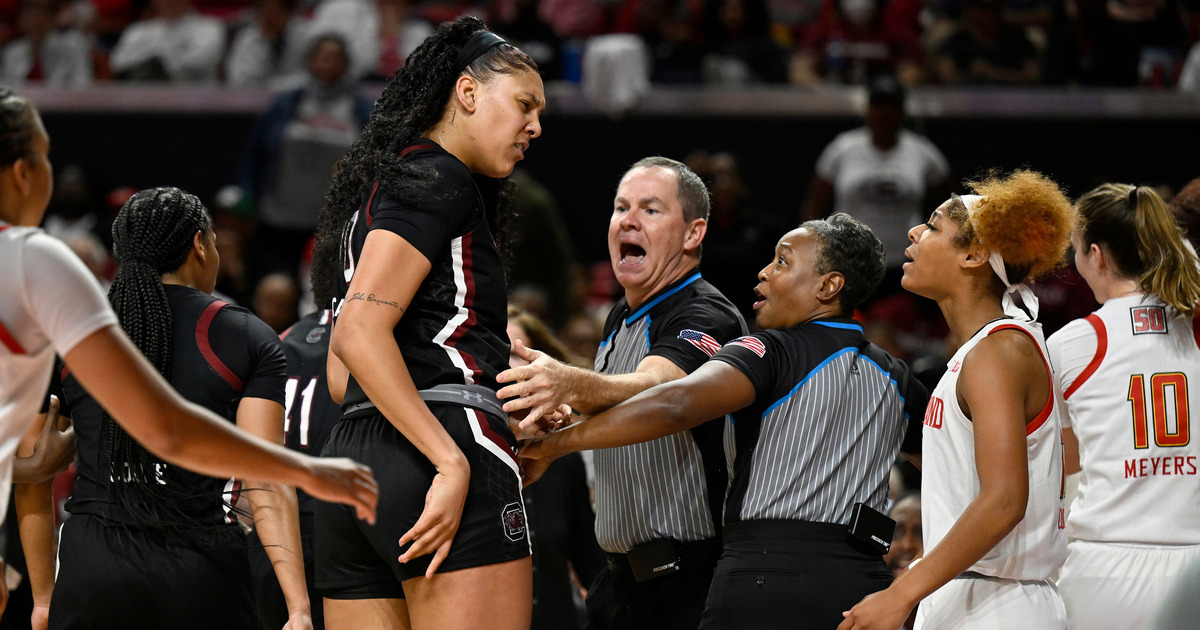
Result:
[653,559]
[872,527]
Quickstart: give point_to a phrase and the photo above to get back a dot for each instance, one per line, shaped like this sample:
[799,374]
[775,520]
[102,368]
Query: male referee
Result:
[658,503]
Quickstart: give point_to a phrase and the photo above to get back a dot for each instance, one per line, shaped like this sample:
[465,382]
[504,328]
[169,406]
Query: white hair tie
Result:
[997,263]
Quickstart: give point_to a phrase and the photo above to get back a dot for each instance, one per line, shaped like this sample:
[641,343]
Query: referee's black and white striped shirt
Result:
[671,487]
[831,412]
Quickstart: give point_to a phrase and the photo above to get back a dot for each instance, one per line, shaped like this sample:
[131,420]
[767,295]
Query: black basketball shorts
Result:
[356,560]
[104,584]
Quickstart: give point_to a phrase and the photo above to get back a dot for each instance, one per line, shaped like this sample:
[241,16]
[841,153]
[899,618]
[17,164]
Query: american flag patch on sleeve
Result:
[707,344]
[750,343]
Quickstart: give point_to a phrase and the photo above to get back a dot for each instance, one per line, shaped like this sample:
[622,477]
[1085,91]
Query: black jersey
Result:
[830,412]
[455,329]
[671,487]
[221,354]
[309,412]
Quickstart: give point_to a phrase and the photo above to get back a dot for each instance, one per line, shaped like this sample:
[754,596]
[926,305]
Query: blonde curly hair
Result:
[1024,216]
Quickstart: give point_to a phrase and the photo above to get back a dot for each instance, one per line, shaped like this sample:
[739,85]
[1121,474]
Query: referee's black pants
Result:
[616,601]
[790,574]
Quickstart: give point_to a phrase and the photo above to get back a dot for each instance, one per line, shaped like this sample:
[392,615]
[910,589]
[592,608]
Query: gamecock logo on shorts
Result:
[513,520]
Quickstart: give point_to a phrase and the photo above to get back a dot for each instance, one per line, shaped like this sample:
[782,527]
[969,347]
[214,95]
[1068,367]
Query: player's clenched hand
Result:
[884,610]
[540,387]
[299,620]
[341,480]
[533,469]
[434,531]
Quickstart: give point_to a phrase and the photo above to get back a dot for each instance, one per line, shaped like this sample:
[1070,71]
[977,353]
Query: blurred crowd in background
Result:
[265,43]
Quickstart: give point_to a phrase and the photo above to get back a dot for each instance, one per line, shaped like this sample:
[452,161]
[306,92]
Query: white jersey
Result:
[1129,372]
[1037,546]
[48,302]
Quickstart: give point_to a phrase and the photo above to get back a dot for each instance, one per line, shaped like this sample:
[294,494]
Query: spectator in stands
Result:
[276,301]
[527,30]
[738,233]
[269,51]
[291,153]
[400,32]
[43,54]
[352,19]
[670,30]
[561,521]
[907,545]
[738,44]
[177,44]
[1130,42]
[541,255]
[1189,76]
[985,49]
[569,18]
[882,175]
[852,42]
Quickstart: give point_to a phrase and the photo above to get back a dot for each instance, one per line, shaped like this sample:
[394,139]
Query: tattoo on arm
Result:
[370,297]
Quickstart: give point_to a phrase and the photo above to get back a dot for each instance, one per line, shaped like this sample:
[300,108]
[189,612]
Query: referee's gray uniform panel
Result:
[659,489]
[830,413]
[826,472]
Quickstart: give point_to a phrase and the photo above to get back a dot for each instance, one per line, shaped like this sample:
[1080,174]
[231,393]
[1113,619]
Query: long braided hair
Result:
[413,101]
[152,235]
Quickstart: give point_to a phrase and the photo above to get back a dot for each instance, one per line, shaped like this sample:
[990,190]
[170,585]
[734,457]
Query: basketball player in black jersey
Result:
[406,245]
[151,545]
[309,416]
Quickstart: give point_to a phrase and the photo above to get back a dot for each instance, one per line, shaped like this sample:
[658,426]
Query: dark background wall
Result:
[582,154]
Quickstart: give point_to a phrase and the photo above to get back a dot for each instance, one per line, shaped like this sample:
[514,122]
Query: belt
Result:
[474,396]
[699,553]
[782,529]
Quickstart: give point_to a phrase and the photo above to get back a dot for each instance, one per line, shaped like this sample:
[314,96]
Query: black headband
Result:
[479,43]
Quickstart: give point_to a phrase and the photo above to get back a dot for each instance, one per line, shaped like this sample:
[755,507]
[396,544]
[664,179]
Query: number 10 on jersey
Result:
[1168,392]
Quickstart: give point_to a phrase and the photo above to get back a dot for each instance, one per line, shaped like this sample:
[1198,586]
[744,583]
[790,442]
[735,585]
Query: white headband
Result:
[997,262]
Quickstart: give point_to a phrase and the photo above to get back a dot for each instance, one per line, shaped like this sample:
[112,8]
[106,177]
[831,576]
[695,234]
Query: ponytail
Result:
[1156,256]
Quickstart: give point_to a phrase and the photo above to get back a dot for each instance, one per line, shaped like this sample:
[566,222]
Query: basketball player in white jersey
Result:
[1130,372]
[992,472]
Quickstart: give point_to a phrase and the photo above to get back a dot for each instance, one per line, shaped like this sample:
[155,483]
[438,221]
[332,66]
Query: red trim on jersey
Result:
[206,349]
[370,200]
[375,188]
[1101,350]
[486,430]
[283,335]
[4,227]
[235,493]
[1195,332]
[416,147]
[62,376]
[468,303]
[9,341]
[1044,414]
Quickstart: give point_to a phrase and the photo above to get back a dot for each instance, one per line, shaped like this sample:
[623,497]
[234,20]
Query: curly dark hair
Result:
[413,101]
[851,248]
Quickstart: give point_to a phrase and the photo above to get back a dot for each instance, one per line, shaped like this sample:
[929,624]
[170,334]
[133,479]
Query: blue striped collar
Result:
[847,324]
[652,303]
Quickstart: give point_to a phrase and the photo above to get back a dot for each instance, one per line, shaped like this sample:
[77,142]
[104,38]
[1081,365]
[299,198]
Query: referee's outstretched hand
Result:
[434,531]
[342,480]
[541,388]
